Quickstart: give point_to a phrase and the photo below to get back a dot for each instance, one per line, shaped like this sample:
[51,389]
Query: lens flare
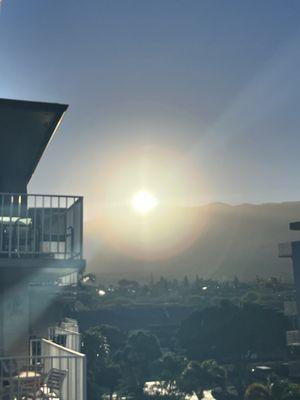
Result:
[144,201]
[147,204]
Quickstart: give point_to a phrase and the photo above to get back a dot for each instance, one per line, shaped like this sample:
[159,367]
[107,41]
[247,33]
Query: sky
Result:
[214,83]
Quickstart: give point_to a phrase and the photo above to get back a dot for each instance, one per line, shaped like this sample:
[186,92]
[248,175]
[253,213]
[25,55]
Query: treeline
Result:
[212,350]
[192,292]
[187,282]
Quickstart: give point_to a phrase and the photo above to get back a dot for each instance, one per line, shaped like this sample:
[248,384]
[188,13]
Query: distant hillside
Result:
[233,240]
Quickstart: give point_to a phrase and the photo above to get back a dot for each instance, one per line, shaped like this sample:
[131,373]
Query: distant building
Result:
[41,240]
[292,307]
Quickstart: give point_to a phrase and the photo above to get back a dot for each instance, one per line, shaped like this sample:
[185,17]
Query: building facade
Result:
[41,242]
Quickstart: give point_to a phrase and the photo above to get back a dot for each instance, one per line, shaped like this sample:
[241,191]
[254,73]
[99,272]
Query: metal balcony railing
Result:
[43,377]
[48,226]
[65,337]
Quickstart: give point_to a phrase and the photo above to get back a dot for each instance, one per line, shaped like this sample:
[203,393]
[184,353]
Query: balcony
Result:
[40,227]
[50,372]
[66,334]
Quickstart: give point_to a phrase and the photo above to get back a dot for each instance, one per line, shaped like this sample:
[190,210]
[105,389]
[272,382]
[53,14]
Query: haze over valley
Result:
[227,241]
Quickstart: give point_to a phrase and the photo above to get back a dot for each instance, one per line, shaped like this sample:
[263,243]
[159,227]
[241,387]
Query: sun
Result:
[144,201]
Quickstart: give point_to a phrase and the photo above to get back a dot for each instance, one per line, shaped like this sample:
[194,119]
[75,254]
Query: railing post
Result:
[84,375]
[50,225]
[2,219]
[43,223]
[27,225]
[58,228]
[19,198]
[10,225]
[81,227]
[34,227]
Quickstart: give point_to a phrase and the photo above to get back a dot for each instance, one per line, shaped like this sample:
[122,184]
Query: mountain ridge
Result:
[235,240]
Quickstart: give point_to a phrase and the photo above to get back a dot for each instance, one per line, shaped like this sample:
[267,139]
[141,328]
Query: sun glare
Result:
[144,201]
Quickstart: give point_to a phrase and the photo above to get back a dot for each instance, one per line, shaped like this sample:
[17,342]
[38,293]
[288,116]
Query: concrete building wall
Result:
[14,320]
[25,312]
[44,310]
[296,273]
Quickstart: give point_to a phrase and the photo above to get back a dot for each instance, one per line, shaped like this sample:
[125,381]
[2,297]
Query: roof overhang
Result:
[26,127]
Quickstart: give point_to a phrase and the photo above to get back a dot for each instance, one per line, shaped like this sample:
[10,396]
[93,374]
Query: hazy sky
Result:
[216,81]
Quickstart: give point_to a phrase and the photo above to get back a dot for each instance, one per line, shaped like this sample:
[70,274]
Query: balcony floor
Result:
[14,269]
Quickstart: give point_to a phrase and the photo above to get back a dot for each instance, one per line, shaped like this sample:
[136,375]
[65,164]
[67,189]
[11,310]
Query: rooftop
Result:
[26,127]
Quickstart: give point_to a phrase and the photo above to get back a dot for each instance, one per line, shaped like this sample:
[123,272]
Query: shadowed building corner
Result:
[41,241]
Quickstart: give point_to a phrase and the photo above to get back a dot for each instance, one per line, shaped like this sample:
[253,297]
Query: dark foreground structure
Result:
[41,240]
[292,306]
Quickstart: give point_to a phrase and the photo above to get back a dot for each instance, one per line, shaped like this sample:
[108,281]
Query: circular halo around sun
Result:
[144,201]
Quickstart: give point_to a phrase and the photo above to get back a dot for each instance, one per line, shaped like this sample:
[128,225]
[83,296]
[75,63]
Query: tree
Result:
[140,352]
[186,283]
[87,298]
[281,389]
[127,286]
[114,337]
[197,377]
[151,284]
[95,347]
[110,378]
[102,373]
[216,375]
[202,333]
[192,379]
[250,297]
[198,282]
[229,332]
[175,284]
[239,377]
[144,346]
[257,391]
[171,366]
[236,282]
[278,389]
